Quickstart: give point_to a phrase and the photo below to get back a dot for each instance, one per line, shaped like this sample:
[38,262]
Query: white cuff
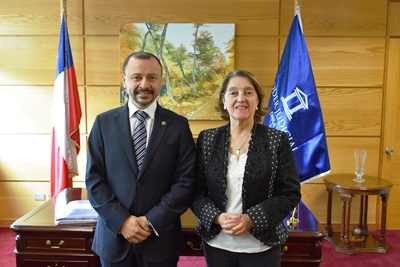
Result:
[152,228]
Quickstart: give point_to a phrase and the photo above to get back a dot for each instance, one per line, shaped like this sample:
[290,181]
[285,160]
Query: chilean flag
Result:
[66,117]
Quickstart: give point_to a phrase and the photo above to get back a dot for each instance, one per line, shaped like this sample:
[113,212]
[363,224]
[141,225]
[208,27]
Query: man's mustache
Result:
[144,90]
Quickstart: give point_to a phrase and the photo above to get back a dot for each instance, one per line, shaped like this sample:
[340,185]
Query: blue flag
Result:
[295,107]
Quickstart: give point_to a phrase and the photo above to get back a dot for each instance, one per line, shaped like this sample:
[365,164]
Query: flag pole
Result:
[296,7]
[63,4]
[297,12]
[294,221]
[63,8]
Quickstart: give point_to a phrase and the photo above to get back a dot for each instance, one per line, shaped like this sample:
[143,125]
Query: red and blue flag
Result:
[66,118]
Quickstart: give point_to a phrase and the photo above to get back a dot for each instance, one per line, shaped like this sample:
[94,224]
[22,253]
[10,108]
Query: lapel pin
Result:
[163,123]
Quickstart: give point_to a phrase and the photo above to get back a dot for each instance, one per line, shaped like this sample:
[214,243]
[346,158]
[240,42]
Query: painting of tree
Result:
[195,58]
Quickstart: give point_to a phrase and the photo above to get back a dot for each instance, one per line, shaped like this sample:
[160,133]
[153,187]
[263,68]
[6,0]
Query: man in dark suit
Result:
[139,202]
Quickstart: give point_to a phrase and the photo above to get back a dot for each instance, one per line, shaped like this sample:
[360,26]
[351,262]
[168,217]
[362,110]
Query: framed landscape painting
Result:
[195,58]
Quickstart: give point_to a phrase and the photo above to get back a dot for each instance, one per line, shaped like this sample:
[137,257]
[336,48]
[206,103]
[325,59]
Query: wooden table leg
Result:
[343,231]
[329,213]
[363,219]
[360,218]
[346,208]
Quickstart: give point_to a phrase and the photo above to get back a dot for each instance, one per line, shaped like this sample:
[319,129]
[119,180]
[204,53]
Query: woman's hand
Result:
[233,224]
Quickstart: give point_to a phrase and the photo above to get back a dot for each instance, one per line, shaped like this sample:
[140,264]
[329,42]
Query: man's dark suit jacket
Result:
[161,191]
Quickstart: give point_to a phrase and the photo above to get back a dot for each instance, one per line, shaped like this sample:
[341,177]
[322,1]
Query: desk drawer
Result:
[61,263]
[305,250]
[58,244]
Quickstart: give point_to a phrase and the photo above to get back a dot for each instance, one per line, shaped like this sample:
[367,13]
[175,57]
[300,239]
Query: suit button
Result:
[139,185]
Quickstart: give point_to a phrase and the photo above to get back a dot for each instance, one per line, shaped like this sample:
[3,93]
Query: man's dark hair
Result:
[140,55]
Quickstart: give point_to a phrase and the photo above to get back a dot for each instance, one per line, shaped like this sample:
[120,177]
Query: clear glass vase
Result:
[360,155]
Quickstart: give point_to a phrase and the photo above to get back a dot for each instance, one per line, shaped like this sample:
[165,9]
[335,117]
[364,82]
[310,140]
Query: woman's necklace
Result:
[237,150]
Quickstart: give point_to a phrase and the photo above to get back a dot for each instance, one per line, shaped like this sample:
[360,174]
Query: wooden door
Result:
[390,149]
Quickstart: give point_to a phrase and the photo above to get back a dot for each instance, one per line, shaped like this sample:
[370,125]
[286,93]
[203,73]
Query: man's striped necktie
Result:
[140,137]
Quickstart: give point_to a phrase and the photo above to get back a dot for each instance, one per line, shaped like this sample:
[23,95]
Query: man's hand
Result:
[135,229]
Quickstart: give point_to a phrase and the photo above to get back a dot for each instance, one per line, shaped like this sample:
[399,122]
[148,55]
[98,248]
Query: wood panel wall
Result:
[353,46]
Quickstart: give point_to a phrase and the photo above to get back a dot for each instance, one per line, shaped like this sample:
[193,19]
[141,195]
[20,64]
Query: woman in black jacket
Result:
[247,181]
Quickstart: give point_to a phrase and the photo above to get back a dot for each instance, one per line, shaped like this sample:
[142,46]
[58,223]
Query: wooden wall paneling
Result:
[35,18]
[26,158]
[347,61]
[341,154]
[394,18]
[39,17]
[102,60]
[29,109]
[337,18]
[29,17]
[100,99]
[351,111]
[26,60]
[258,54]
[31,60]
[259,18]
[312,193]
[74,16]
[16,199]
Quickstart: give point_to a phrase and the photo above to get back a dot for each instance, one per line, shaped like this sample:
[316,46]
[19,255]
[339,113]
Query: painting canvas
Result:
[195,58]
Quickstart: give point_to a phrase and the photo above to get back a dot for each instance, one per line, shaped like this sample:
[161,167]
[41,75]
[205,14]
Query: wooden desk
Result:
[359,240]
[40,242]
[303,248]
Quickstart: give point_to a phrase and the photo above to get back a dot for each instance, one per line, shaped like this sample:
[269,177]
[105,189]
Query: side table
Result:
[359,240]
